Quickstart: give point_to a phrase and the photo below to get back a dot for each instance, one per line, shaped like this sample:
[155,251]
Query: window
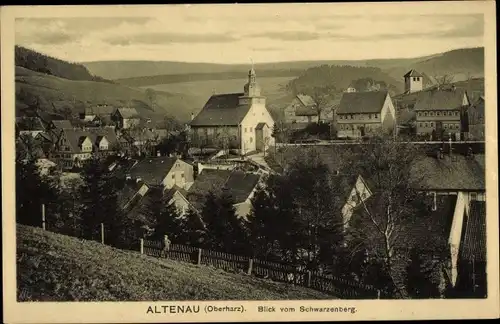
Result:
[438,113]
[426,125]
[250,129]
[341,127]
[432,124]
[376,115]
[425,114]
[456,113]
[445,126]
[431,113]
[251,139]
[182,175]
[245,129]
[473,196]
[370,116]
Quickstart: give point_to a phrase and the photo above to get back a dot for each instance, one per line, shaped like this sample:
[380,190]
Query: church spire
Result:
[252,89]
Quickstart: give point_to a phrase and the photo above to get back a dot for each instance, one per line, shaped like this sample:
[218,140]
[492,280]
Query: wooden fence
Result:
[281,272]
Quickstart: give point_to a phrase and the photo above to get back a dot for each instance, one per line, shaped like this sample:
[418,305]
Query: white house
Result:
[237,121]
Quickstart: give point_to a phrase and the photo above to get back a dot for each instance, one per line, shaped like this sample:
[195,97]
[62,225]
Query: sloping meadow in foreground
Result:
[53,267]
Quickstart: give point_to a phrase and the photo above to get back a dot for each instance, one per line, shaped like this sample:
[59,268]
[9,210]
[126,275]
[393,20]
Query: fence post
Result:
[378,293]
[309,275]
[43,216]
[102,233]
[142,246]
[198,261]
[250,266]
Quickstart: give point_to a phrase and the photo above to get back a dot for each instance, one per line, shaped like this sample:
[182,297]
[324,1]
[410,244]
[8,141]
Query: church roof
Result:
[222,110]
[413,73]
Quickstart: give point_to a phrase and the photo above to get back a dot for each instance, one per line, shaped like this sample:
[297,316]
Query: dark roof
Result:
[44,136]
[62,124]
[412,73]
[455,173]
[153,170]
[99,110]
[74,135]
[221,110]
[29,124]
[476,112]
[260,125]
[362,102]
[474,240]
[238,184]
[448,99]
[128,112]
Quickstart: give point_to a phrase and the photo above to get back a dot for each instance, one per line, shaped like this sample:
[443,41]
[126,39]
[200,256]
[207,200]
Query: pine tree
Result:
[192,229]
[100,204]
[32,190]
[418,278]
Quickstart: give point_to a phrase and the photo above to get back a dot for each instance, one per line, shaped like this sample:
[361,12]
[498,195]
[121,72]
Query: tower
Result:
[413,81]
[252,88]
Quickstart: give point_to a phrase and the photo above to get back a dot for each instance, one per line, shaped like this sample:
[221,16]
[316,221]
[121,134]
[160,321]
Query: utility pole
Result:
[43,216]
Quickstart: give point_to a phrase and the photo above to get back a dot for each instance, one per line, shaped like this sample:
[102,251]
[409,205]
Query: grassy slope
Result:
[53,267]
[63,91]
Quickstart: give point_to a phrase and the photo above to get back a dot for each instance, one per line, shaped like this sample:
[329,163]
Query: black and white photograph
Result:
[222,154]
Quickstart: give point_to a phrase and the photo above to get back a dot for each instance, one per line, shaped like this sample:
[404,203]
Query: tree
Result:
[321,97]
[443,80]
[224,230]
[151,95]
[99,197]
[418,278]
[223,139]
[193,229]
[384,220]
[32,190]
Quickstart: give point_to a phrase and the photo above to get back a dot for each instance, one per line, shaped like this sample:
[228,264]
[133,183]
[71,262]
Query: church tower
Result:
[252,88]
[413,81]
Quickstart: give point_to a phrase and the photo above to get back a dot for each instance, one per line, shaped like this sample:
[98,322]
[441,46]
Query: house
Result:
[74,146]
[362,113]
[476,116]
[125,118]
[357,190]
[29,125]
[303,110]
[240,185]
[471,273]
[231,120]
[165,171]
[90,114]
[441,111]
[61,124]
[413,81]
[141,140]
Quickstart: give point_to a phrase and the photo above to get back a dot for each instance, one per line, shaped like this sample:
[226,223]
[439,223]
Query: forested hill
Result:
[341,77]
[42,63]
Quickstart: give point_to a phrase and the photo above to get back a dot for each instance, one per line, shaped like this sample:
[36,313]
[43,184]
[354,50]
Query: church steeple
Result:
[252,89]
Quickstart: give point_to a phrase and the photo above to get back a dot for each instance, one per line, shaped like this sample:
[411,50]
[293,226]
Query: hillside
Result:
[455,61]
[42,63]
[53,267]
[49,92]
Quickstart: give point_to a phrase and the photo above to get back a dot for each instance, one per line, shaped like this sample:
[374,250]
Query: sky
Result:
[259,33]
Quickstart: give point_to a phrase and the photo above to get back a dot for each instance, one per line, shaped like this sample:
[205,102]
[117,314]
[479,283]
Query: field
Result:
[54,91]
[53,267]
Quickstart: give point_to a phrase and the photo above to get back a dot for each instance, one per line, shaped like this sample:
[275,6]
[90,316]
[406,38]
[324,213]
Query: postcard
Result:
[249,162]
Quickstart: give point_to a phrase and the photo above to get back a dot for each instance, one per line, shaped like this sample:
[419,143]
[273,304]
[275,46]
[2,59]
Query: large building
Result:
[362,113]
[302,110]
[441,111]
[237,121]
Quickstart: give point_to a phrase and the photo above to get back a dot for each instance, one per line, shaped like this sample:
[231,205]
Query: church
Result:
[236,121]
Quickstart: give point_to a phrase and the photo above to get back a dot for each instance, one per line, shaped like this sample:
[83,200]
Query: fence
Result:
[281,272]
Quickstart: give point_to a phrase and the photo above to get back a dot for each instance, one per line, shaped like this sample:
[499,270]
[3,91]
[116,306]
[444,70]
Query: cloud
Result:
[165,38]
[288,35]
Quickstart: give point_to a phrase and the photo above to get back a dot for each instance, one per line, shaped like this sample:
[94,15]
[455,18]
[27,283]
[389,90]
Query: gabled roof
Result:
[82,139]
[412,73]
[306,100]
[448,99]
[153,170]
[362,102]
[238,184]
[29,124]
[457,173]
[222,110]
[99,110]
[128,112]
[474,240]
[74,135]
[260,125]
[62,124]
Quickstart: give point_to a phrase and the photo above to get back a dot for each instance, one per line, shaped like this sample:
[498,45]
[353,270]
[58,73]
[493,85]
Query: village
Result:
[235,148]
